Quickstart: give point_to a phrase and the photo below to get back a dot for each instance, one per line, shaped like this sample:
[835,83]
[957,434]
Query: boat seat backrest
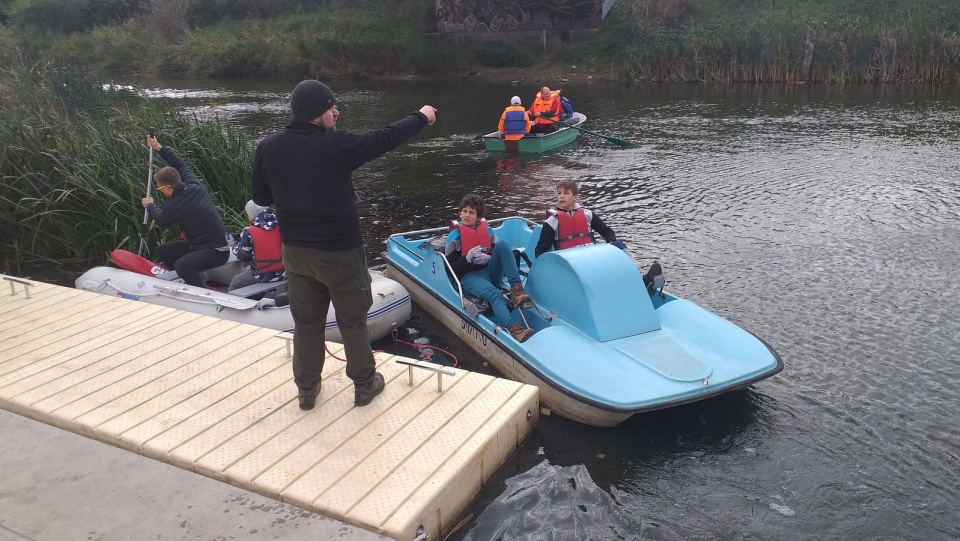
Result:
[596,288]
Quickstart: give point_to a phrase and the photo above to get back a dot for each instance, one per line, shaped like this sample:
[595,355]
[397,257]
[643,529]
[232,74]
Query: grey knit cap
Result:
[311,99]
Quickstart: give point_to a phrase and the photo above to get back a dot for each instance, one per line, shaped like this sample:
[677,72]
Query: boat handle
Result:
[412,363]
[13,288]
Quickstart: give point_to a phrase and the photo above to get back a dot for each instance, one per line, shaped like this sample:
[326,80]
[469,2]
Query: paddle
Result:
[146,215]
[134,263]
[619,142]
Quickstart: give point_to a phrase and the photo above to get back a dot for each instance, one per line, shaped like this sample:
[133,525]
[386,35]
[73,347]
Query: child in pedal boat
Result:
[480,260]
[570,224]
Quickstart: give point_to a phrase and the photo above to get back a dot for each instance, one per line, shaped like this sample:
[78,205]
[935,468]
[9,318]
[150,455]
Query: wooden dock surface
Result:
[217,397]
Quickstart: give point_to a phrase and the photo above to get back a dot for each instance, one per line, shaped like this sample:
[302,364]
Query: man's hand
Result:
[430,112]
[476,256]
[146,201]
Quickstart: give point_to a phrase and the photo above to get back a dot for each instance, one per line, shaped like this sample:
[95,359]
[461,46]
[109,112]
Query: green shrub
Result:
[71,15]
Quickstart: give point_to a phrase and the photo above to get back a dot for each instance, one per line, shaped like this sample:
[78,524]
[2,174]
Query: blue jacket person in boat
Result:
[306,171]
[515,121]
[188,205]
[480,260]
[569,225]
[260,248]
[567,112]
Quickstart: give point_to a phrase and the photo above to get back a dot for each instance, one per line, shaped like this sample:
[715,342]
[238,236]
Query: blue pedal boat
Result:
[604,348]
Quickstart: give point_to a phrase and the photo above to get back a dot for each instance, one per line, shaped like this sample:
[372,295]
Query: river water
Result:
[823,220]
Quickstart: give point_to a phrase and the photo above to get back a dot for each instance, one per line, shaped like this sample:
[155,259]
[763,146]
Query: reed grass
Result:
[878,41]
[74,164]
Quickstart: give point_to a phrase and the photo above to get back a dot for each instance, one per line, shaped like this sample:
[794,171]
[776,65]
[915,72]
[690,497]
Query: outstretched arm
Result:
[186,174]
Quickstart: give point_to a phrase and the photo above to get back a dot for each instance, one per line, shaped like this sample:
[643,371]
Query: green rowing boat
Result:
[536,143]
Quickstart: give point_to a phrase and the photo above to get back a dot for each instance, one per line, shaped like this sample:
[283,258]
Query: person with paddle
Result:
[545,112]
[204,243]
[306,171]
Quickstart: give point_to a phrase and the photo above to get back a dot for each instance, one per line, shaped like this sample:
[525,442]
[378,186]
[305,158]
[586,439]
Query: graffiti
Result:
[508,15]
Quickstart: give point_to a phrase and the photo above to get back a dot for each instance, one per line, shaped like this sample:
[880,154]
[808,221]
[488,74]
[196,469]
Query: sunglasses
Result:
[160,188]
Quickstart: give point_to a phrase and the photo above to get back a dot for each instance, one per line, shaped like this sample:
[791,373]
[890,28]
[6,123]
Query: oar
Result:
[619,142]
[146,215]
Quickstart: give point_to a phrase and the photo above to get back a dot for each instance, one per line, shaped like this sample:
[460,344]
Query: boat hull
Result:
[391,302]
[535,143]
[487,345]
[591,367]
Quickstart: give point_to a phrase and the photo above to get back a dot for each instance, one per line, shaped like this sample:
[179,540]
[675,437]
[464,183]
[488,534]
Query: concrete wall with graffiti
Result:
[517,15]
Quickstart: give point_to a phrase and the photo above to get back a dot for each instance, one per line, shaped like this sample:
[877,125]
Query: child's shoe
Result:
[520,297]
[520,333]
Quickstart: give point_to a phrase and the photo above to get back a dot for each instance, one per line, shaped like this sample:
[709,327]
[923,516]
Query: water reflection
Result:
[824,220]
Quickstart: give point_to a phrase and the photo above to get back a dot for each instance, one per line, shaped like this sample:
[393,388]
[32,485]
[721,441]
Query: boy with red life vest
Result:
[260,248]
[569,225]
[480,260]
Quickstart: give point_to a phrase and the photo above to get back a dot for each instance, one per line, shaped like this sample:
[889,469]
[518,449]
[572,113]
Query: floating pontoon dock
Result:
[217,398]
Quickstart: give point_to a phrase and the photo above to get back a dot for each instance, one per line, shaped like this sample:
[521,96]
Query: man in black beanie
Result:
[305,172]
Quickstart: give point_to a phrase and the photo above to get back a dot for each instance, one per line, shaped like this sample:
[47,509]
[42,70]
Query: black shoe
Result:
[654,270]
[650,278]
[363,394]
[308,397]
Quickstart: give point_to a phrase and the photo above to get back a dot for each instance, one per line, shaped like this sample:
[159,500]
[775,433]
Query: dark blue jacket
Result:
[567,107]
[306,173]
[190,207]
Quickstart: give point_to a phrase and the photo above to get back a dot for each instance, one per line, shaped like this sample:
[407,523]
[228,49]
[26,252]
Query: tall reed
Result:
[74,164]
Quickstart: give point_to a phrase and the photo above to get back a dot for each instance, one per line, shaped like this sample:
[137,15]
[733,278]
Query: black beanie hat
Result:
[311,99]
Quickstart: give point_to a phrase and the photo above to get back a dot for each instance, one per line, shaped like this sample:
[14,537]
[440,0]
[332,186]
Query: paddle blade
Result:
[132,262]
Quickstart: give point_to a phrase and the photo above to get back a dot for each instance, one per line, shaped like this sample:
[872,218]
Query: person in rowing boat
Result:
[569,225]
[259,248]
[545,112]
[204,243]
[306,171]
[567,112]
[515,121]
[480,260]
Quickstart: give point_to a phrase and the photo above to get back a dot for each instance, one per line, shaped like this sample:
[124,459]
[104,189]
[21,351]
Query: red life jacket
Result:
[571,230]
[472,237]
[267,250]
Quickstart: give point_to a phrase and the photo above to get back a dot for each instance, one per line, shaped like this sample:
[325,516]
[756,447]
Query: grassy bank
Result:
[763,41]
[73,164]
[649,40]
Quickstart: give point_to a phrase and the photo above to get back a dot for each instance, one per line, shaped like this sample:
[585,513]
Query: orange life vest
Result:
[549,107]
[571,230]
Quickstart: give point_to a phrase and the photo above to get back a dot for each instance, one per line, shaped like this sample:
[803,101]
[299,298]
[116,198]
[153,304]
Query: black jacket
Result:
[190,207]
[305,172]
